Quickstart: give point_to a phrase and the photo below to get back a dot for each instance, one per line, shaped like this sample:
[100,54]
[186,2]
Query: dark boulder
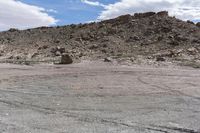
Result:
[198,24]
[162,13]
[143,15]
[160,59]
[66,59]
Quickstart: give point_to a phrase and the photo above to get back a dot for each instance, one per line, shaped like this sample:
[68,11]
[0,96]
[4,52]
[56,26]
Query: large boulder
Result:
[66,59]
[190,22]
[198,24]
[143,15]
[12,30]
[162,13]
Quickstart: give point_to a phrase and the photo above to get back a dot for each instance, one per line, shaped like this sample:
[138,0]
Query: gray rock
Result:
[163,13]
[108,59]
[142,15]
[198,24]
[13,30]
[66,59]
[192,50]
[190,22]
[94,46]
[160,59]
[60,49]
[58,53]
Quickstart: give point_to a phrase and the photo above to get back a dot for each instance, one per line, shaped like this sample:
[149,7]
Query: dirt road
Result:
[99,98]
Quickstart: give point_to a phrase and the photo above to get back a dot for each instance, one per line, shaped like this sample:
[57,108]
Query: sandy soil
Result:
[99,98]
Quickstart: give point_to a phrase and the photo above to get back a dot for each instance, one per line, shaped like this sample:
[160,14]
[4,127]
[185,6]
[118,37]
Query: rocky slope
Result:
[143,37]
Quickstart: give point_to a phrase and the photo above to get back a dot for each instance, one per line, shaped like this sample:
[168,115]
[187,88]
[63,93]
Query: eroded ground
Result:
[99,98]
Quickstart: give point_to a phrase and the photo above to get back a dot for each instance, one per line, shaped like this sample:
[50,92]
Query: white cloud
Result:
[15,14]
[52,11]
[183,9]
[93,3]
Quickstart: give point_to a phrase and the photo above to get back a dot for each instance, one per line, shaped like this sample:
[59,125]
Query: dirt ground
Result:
[99,98]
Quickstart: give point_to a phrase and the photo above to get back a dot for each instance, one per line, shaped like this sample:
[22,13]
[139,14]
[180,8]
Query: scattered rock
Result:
[160,59]
[57,41]
[58,51]
[94,46]
[142,34]
[160,38]
[32,55]
[133,38]
[108,59]
[53,50]
[168,54]
[180,38]
[177,52]
[174,43]
[166,29]
[192,50]
[43,47]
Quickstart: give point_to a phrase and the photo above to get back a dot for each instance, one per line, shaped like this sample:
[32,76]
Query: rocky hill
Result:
[143,37]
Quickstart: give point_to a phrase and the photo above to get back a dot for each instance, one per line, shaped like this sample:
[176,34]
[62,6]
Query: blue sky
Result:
[70,11]
[23,14]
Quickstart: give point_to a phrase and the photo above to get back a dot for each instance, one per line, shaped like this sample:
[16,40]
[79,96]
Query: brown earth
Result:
[142,38]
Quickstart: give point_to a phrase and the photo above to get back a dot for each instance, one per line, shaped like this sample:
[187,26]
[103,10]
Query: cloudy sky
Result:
[24,14]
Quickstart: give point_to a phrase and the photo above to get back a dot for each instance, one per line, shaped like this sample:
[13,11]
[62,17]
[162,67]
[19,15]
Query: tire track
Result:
[82,118]
[92,119]
[166,89]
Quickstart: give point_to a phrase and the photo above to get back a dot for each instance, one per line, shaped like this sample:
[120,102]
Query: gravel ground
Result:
[93,97]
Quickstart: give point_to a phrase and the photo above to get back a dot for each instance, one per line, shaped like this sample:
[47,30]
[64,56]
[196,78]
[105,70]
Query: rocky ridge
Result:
[140,38]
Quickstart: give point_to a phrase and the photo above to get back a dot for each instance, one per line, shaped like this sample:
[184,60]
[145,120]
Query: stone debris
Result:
[140,35]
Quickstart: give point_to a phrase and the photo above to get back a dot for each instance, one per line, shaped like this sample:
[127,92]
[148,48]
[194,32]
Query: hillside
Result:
[148,37]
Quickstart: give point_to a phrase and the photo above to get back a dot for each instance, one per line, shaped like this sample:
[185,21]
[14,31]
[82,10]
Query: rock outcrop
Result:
[139,35]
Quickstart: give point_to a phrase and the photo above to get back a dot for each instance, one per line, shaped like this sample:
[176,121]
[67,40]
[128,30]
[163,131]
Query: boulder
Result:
[58,51]
[66,59]
[124,18]
[160,59]
[108,59]
[198,24]
[143,15]
[13,30]
[162,13]
[190,22]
